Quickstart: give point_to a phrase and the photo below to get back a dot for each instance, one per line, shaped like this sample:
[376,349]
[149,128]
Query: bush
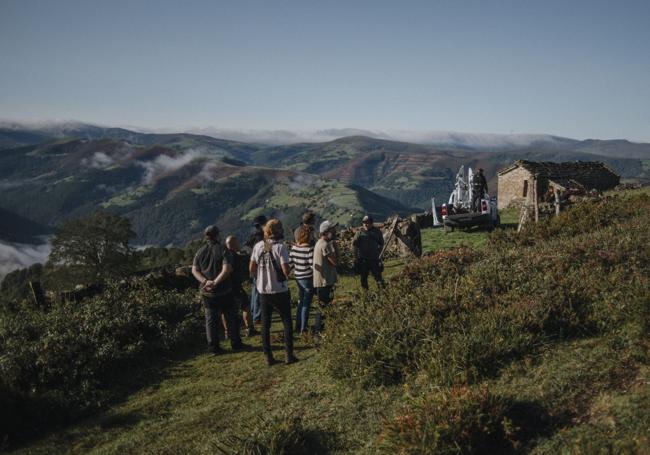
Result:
[68,359]
[461,316]
[461,421]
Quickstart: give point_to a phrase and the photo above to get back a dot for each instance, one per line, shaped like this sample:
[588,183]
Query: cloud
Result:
[164,163]
[99,160]
[425,137]
[15,256]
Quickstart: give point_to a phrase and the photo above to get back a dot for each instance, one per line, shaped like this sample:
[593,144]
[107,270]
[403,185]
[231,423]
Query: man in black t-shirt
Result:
[213,266]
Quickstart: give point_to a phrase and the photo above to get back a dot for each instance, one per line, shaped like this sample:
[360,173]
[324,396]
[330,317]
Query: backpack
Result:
[268,250]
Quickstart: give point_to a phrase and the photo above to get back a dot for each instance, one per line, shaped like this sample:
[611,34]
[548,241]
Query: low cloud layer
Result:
[442,138]
[15,256]
[163,163]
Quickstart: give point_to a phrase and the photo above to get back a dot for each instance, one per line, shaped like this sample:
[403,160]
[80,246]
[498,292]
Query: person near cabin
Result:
[242,301]
[367,244]
[326,257]
[308,220]
[256,237]
[302,259]
[479,189]
[270,265]
[212,268]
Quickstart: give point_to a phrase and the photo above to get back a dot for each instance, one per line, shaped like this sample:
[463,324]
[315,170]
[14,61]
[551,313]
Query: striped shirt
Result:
[301,258]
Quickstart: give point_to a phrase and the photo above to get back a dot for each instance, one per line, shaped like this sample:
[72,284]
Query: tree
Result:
[94,248]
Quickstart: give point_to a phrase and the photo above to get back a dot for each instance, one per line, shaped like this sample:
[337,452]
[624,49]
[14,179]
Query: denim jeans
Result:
[305,294]
[256,310]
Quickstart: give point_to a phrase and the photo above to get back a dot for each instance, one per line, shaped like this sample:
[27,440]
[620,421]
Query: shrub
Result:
[460,421]
[461,315]
[68,359]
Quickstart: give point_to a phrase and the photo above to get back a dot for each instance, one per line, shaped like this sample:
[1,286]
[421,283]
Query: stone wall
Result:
[511,188]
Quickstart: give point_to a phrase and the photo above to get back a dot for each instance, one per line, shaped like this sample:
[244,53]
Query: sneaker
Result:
[291,359]
[251,332]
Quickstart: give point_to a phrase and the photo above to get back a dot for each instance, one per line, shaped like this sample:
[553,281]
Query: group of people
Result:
[312,258]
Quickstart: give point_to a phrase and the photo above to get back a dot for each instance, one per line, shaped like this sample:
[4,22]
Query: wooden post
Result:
[37,293]
[535,201]
[557,201]
[390,236]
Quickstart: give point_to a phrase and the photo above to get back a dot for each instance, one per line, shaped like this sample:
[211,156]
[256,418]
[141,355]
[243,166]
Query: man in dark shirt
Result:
[479,188]
[368,243]
[212,267]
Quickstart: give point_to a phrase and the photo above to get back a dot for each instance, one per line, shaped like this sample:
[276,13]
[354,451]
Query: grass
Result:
[577,395]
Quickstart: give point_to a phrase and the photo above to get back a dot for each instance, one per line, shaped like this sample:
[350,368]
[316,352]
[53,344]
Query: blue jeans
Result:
[256,309]
[305,294]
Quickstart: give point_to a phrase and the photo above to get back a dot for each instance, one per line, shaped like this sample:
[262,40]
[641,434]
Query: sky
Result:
[579,69]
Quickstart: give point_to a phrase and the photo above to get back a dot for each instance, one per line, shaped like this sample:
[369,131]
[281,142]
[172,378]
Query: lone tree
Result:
[94,248]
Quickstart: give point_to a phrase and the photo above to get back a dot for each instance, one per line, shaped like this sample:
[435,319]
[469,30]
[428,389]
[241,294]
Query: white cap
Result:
[326,226]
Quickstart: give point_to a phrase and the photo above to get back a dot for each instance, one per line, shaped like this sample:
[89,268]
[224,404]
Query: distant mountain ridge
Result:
[618,148]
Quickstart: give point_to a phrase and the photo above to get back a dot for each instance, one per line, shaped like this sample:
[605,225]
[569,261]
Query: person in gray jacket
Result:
[368,243]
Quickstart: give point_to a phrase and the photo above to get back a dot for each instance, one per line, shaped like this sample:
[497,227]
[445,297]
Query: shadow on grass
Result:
[36,418]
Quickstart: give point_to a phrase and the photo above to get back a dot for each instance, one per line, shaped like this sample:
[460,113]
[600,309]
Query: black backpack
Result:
[281,277]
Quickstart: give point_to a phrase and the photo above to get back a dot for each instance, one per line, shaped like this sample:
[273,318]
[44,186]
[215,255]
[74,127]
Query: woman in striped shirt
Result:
[301,257]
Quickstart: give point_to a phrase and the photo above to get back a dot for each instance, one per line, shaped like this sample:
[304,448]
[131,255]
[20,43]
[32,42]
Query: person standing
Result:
[326,256]
[270,265]
[212,267]
[302,258]
[479,189]
[368,243]
[242,302]
[256,237]
[308,220]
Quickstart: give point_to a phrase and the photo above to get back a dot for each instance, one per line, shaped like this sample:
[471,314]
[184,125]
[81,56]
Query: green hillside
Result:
[511,343]
[171,192]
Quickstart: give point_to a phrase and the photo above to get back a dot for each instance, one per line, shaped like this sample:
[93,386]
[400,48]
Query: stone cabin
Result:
[521,181]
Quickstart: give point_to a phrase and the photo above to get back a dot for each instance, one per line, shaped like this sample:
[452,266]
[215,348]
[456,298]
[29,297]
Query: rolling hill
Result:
[171,185]
[170,194]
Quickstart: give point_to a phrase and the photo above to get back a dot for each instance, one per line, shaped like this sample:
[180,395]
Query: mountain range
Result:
[170,185]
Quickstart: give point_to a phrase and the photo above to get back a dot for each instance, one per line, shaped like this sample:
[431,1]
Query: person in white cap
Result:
[326,256]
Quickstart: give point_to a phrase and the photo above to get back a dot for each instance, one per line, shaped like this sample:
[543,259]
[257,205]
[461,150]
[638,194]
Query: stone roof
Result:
[589,174]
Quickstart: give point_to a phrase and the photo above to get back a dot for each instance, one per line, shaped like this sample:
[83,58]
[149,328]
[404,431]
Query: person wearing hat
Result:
[308,220]
[257,236]
[212,267]
[367,244]
[326,256]
[479,188]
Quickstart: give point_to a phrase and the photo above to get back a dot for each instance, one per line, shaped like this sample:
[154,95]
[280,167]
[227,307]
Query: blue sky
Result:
[572,68]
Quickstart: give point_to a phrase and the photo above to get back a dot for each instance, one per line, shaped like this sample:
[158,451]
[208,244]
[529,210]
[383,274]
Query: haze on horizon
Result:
[577,70]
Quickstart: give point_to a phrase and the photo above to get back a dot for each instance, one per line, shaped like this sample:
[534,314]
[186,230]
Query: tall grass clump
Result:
[59,362]
[461,316]
[459,421]
[278,435]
